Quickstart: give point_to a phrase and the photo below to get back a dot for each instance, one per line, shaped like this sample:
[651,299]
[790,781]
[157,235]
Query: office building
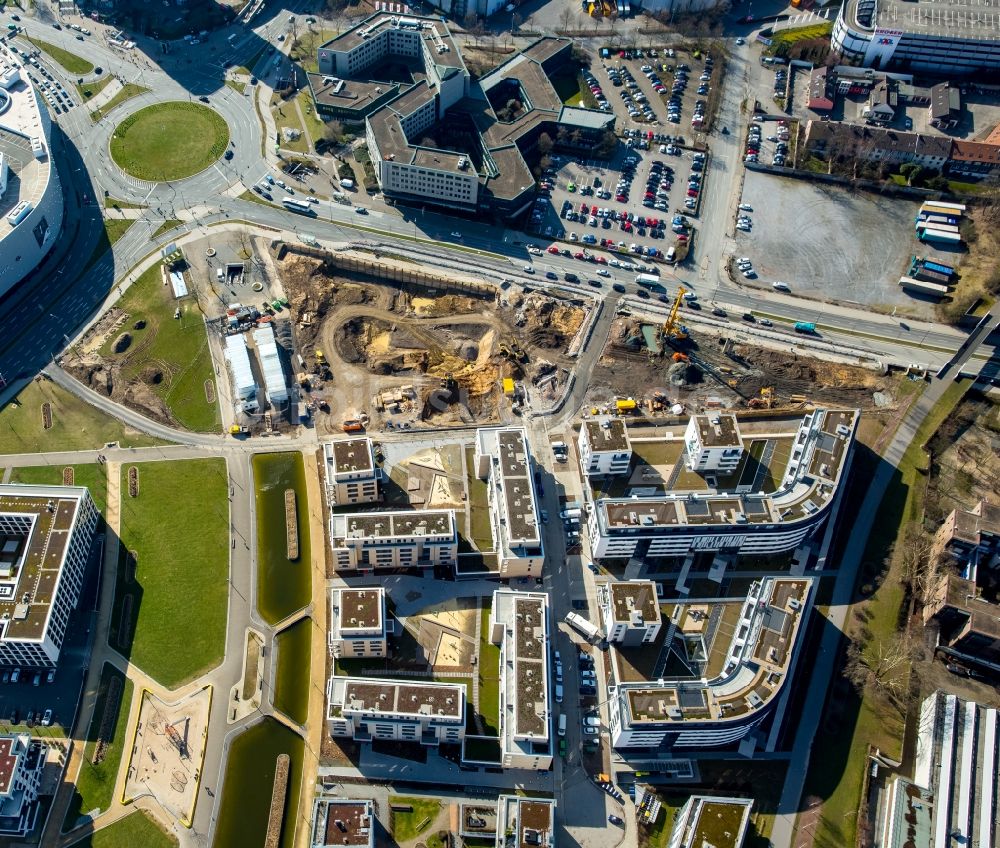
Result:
[604,446]
[519,624]
[932,36]
[343,822]
[365,708]
[419,538]
[768,505]
[31,198]
[503,460]
[630,611]
[711,820]
[22,762]
[739,654]
[358,626]
[45,536]
[713,443]
[351,476]
[524,822]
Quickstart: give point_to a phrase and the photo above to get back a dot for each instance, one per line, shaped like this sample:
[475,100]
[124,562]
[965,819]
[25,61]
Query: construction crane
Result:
[672,330]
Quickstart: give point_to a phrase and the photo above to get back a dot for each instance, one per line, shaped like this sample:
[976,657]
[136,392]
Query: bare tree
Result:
[545,144]
[333,132]
[918,570]
[880,667]
[565,17]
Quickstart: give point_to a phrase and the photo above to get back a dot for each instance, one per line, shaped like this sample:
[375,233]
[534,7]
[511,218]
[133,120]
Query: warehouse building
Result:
[270,365]
[421,538]
[45,536]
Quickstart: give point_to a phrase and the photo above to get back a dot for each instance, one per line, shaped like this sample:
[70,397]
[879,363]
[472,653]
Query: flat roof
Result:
[351,455]
[956,19]
[391,525]
[755,659]
[432,31]
[607,434]
[530,667]
[718,430]
[8,761]
[353,94]
[634,595]
[32,555]
[361,609]
[533,817]
[347,823]
[394,697]
[518,487]
[719,822]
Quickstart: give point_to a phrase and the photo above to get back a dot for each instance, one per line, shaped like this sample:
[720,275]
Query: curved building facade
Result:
[937,36]
[31,200]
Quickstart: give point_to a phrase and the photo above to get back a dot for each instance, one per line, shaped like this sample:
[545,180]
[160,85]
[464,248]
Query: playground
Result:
[167,752]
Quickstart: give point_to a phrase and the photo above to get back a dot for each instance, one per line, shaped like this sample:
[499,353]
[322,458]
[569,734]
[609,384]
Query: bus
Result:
[935,289]
[300,206]
[943,208]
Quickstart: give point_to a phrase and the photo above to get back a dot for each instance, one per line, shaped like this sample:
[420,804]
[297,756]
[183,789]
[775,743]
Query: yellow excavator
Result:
[673,330]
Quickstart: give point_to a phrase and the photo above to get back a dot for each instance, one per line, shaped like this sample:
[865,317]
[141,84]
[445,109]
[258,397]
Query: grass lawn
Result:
[303,49]
[170,354]
[489,675]
[96,783]
[88,90]
[253,197]
[236,85]
[114,203]
[93,476]
[315,125]
[407,826]
[180,575]
[836,769]
[127,92]
[114,229]
[70,61]
[166,226]
[784,38]
[479,513]
[75,424]
[169,141]
[285,114]
[135,829]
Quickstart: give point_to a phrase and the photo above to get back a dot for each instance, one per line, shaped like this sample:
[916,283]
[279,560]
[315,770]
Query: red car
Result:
[554,250]
[600,260]
[584,208]
[682,237]
[621,198]
[692,192]
[578,256]
[628,227]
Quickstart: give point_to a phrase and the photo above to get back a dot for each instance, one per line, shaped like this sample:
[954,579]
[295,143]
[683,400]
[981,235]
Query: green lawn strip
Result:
[480,531]
[166,226]
[285,114]
[489,674]
[127,92]
[76,425]
[237,85]
[93,476]
[135,829]
[114,203]
[253,197]
[96,782]
[785,38]
[89,90]
[70,61]
[406,826]
[179,576]
[169,141]
[314,125]
[114,229]
[840,785]
[170,354]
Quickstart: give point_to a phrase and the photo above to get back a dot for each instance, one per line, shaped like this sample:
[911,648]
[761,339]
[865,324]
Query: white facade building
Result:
[31,206]
[604,446]
[244,384]
[45,536]
[270,365]
[351,475]
[22,762]
[358,626]
[530,821]
[711,820]
[364,709]
[519,624]
[630,611]
[713,443]
[365,541]
[343,822]
[503,459]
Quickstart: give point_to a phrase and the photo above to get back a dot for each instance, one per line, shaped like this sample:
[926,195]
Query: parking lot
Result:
[826,242]
[768,142]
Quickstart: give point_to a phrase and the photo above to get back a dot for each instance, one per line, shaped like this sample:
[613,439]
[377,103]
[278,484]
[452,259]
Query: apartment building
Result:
[604,446]
[770,505]
[630,610]
[358,626]
[22,762]
[503,460]
[45,536]
[524,822]
[419,538]
[971,535]
[351,475]
[969,624]
[365,708]
[713,443]
[711,820]
[740,654]
[343,822]
[519,624]
[876,144]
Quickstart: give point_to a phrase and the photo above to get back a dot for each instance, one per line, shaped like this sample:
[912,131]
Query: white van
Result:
[570,514]
[671,254]
[562,724]
[559,691]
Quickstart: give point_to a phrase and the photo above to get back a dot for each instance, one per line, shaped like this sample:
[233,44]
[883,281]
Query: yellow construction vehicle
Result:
[672,330]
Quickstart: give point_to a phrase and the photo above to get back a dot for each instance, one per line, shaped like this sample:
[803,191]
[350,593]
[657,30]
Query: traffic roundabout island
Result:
[169,141]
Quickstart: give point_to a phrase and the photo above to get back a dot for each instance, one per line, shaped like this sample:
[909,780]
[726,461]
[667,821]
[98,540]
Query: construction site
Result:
[385,349]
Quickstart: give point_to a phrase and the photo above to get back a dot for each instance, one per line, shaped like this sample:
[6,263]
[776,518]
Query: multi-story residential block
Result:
[519,624]
[770,505]
[713,443]
[503,459]
[969,624]
[351,475]
[631,611]
[740,652]
[358,626]
[45,536]
[343,822]
[525,822]
[971,535]
[604,446]
[22,762]
[711,820]
[366,541]
[364,709]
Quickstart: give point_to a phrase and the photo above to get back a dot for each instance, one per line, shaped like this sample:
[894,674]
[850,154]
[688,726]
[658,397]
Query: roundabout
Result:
[169,141]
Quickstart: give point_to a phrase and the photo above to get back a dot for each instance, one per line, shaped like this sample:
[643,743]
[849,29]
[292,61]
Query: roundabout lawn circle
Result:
[169,141]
